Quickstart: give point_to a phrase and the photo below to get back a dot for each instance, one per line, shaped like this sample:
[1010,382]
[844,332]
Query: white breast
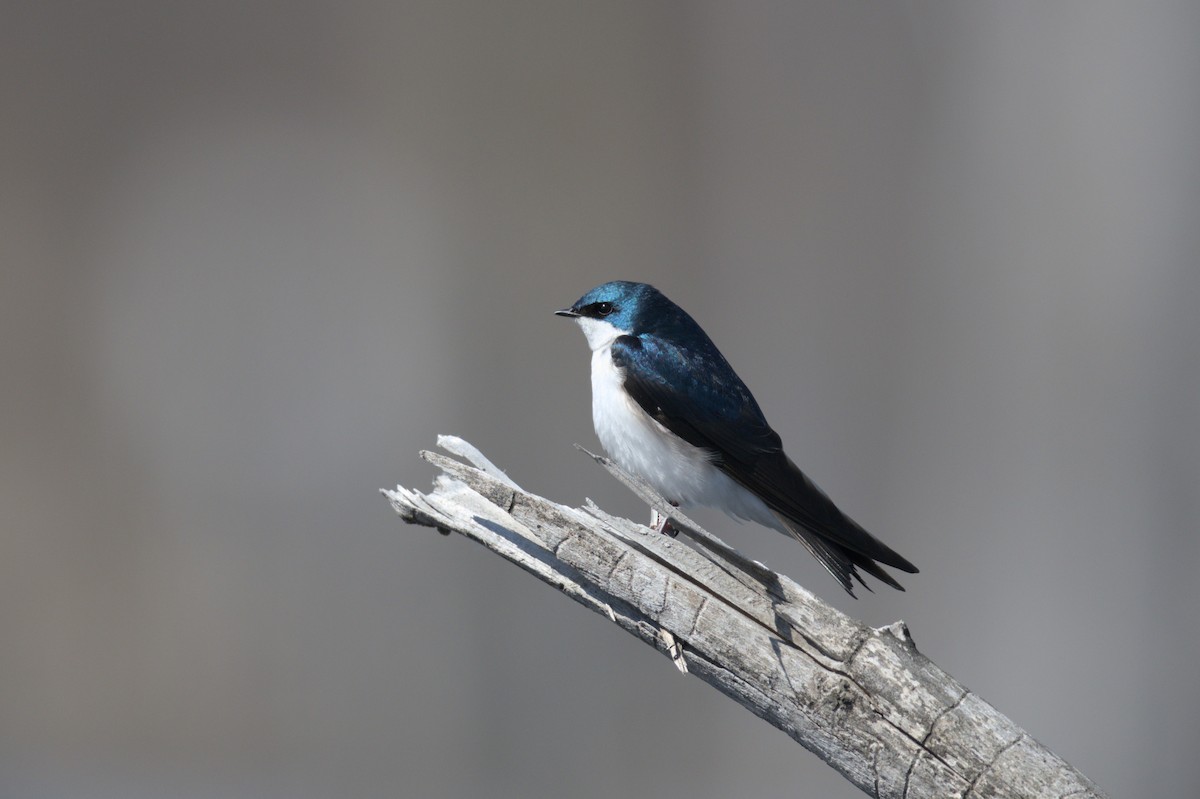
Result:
[680,471]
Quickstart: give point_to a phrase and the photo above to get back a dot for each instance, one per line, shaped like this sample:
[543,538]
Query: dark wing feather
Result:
[712,409]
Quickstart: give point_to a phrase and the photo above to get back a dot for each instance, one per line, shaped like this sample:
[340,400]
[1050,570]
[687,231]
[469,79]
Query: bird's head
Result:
[611,310]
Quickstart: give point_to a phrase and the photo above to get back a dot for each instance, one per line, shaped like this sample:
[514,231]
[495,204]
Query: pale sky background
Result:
[256,255]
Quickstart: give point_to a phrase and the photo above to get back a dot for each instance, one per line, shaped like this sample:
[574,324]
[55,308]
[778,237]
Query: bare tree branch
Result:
[863,700]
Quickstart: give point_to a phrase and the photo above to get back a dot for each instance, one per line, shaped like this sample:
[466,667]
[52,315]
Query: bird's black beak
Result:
[570,313]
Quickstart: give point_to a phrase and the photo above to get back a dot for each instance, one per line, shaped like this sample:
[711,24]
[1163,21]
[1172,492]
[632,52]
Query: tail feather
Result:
[842,562]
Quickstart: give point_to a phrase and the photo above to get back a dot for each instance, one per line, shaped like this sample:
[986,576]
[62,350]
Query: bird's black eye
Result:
[604,308]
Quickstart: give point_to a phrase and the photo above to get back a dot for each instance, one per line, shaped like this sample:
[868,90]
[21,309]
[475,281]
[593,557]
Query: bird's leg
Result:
[662,524]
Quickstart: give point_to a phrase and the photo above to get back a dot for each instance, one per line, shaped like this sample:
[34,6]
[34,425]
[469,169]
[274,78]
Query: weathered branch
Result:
[864,700]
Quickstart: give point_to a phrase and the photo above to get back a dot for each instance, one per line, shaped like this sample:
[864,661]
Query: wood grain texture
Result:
[864,700]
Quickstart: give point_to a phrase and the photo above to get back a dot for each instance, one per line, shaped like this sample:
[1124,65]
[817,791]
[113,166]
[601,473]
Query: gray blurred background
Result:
[256,255]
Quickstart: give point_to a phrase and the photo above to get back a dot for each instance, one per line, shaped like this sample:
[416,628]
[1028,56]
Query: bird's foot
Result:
[662,524]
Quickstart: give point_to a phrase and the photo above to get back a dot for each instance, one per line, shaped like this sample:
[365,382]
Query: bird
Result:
[668,407]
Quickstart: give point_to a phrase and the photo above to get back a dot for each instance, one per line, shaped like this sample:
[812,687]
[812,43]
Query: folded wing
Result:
[712,409]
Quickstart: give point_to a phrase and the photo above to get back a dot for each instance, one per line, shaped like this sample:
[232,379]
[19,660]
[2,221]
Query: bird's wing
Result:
[711,408]
[698,399]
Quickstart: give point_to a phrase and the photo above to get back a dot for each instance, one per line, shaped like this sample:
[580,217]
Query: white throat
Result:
[600,334]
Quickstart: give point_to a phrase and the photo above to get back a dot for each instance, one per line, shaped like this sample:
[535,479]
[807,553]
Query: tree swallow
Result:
[669,408]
